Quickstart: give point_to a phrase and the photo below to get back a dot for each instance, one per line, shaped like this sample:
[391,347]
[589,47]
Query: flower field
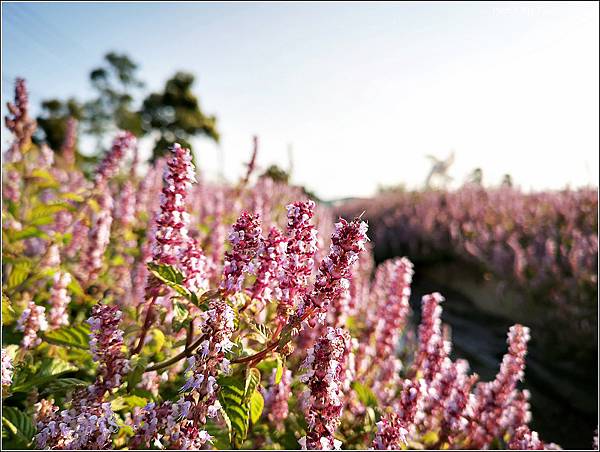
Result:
[158,310]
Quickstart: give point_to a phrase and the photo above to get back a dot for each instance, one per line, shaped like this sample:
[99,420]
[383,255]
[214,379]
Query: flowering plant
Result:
[132,319]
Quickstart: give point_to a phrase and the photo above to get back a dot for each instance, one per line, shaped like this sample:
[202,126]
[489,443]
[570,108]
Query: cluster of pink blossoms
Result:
[194,266]
[244,237]
[432,347]
[173,220]
[89,423]
[31,322]
[524,439]
[276,398]
[106,345]
[271,253]
[493,399]
[392,294]
[327,365]
[179,425]
[98,238]
[298,262]
[110,163]
[59,300]
[332,279]
[21,125]
[395,426]
[7,369]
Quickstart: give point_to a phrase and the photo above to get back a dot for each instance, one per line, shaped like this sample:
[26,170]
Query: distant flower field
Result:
[163,311]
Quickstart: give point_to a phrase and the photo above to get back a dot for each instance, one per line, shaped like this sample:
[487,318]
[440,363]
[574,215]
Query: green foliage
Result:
[53,120]
[18,428]
[71,336]
[241,403]
[33,376]
[176,115]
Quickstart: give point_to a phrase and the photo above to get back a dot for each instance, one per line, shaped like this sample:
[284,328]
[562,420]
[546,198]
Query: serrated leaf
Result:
[70,336]
[63,385]
[49,370]
[259,333]
[252,381]
[231,397]
[18,424]
[257,403]
[18,274]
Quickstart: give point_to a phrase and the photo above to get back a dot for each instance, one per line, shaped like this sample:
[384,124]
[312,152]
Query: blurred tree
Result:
[114,83]
[277,174]
[507,180]
[53,120]
[176,115]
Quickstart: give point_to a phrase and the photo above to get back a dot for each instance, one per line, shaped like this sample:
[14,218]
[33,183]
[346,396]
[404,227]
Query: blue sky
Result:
[361,92]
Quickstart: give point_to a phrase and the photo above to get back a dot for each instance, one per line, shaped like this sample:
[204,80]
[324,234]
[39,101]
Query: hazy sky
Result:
[362,92]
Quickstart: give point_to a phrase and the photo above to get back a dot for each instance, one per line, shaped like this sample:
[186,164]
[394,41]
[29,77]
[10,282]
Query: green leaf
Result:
[138,365]
[259,333]
[18,274]
[166,273]
[279,372]
[157,341]
[172,277]
[63,385]
[75,287]
[50,369]
[26,233]
[47,180]
[70,336]
[257,403]
[18,425]
[364,394]
[221,440]
[8,313]
[129,402]
[72,197]
[231,397]
[252,381]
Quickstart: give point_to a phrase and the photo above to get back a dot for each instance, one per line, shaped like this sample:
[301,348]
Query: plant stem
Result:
[187,352]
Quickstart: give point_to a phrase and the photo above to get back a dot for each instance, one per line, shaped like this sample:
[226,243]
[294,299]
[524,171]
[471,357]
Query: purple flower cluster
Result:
[298,262]
[332,279]
[7,368]
[31,322]
[244,238]
[391,294]
[493,399]
[525,439]
[327,365]
[67,149]
[432,347]
[106,345]
[270,256]
[110,163]
[98,238]
[88,426]
[59,300]
[277,397]
[19,123]
[194,266]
